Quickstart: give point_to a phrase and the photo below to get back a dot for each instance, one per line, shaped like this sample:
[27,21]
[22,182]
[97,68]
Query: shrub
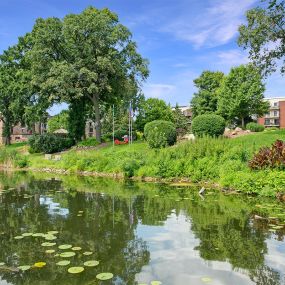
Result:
[208,125]
[160,133]
[49,143]
[254,127]
[88,142]
[273,157]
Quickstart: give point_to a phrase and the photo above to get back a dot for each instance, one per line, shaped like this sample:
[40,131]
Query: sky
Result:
[180,38]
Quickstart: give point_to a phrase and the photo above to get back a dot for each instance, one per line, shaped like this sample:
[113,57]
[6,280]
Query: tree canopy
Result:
[153,109]
[88,56]
[241,94]
[206,99]
[59,121]
[264,36]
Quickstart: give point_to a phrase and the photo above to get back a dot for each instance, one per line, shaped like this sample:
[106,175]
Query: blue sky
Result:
[180,38]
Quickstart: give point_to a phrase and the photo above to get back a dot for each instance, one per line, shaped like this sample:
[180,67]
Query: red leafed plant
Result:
[269,157]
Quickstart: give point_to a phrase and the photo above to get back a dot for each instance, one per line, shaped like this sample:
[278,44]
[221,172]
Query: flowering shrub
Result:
[269,157]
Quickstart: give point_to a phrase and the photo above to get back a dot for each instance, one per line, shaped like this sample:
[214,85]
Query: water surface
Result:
[139,232]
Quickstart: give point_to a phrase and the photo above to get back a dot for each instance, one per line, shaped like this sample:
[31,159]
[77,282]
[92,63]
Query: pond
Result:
[139,233]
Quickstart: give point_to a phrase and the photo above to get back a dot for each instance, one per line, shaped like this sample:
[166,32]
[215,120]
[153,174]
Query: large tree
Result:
[87,56]
[264,36]
[153,109]
[205,100]
[241,94]
[59,121]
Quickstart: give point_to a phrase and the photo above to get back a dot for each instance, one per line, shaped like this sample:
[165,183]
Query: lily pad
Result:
[63,263]
[2,263]
[80,212]
[24,267]
[67,254]
[18,237]
[38,235]
[155,283]
[206,279]
[27,234]
[87,253]
[65,246]
[48,244]
[91,263]
[50,237]
[76,248]
[49,251]
[104,276]
[79,215]
[40,264]
[75,270]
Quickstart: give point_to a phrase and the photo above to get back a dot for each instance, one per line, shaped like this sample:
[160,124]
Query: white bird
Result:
[202,191]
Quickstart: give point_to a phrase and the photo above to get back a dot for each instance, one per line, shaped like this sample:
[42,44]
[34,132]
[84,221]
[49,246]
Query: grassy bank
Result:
[221,161]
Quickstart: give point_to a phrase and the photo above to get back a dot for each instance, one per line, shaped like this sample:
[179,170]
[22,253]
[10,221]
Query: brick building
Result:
[276,115]
[22,133]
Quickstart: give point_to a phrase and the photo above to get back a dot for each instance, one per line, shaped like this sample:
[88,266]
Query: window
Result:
[267,122]
[277,122]
[275,113]
[275,104]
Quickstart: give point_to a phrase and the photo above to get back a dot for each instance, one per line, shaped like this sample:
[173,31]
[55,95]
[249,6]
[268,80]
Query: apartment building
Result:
[276,115]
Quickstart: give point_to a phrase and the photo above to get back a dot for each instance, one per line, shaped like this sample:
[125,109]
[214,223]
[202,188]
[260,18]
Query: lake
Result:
[139,233]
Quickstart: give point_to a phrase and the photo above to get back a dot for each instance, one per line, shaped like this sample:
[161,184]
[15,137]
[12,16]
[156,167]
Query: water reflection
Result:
[139,232]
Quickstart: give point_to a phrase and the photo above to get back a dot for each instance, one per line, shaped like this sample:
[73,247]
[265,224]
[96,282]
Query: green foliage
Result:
[130,166]
[254,127]
[241,94]
[160,133]
[88,142]
[206,99]
[100,65]
[153,109]
[208,125]
[12,158]
[49,143]
[263,36]
[59,121]
[182,123]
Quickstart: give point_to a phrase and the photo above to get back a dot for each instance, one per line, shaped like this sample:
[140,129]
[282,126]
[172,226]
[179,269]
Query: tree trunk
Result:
[242,122]
[95,101]
[7,130]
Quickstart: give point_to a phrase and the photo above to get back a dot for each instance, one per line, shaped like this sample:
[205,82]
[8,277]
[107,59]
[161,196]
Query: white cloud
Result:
[216,25]
[158,90]
[232,57]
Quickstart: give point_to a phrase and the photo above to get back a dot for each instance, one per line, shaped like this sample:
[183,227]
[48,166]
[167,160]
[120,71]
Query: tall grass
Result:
[217,160]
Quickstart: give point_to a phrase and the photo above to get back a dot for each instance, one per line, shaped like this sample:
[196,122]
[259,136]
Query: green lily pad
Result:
[24,267]
[206,279]
[155,283]
[75,270]
[50,237]
[49,251]
[79,215]
[18,237]
[38,235]
[48,244]
[40,264]
[91,263]
[65,246]
[67,254]
[2,263]
[76,248]
[80,212]
[27,234]
[104,276]
[87,253]
[63,263]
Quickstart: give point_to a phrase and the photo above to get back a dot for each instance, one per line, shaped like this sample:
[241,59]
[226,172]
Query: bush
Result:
[273,157]
[49,143]
[208,125]
[254,127]
[160,133]
[88,142]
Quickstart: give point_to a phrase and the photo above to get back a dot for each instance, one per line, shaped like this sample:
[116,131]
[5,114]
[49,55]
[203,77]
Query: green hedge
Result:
[208,125]
[88,142]
[49,143]
[160,133]
[254,127]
